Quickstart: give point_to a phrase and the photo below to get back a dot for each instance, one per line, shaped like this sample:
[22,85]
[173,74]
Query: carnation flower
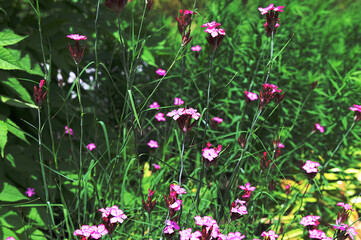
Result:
[310,221]
[272,20]
[250,96]
[357,110]
[216,34]
[77,52]
[178,101]
[210,154]
[30,192]
[91,146]
[270,235]
[68,130]
[153,144]
[184,116]
[154,105]
[319,128]
[161,72]
[160,117]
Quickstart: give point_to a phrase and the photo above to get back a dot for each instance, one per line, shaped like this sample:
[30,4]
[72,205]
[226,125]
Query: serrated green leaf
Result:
[7,61]
[16,103]
[3,136]
[8,37]
[18,89]
[9,193]
[25,62]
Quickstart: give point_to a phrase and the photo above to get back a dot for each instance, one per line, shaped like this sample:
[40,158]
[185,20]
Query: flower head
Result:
[310,221]
[160,117]
[196,48]
[238,209]
[112,216]
[77,52]
[184,20]
[357,110]
[270,235]
[319,128]
[215,122]
[268,93]
[311,168]
[161,72]
[184,117]
[153,144]
[247,190]
[116,5]
[210,155]
[10,238]
[317,234]
[216,34]
[150,204]
[178,101]
[235,236]
[91,146]
[156,166]
[39,96]
[272,20]
[68,131]
[30,192]
[170,227]
[154,105]
[250,96]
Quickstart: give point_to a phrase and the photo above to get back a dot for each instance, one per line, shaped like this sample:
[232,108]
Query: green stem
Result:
[270,61]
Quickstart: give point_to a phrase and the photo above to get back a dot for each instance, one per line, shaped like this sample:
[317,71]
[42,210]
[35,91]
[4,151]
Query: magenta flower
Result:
[111,217]
[156,166]
[210,155]
[272,20]
[319,128]
[217,119]
[68,131]
[318,234]
[85,231]
[235,236]
[238,209]
[187,234]
[76,37]
[91,146]
[160,117]
[268,93]
[351,232]
[161,72]
[153,144]
[150,204]
[30,192]
[170,227]
[177,189]
[216,34]
[215,122]
[250,96]
[270,235]
[209,227]
[184,117]
[247,187]
[39,96]
[99,232]
[184,21]
[77,52]
[345,206]
[154,105]
[116,5]
[311,167]
[357,110]
[178,101]
[310,221]
[10,238]
[196,48]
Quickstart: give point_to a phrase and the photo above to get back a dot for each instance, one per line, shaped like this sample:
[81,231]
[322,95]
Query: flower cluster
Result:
[112,216]
[173,202]
[216,34]
[310,222]
[149,205]
[39,96]
[170,226]
[93,232]
[270,235]
[247,191]
[272,20]
[184,117]
[184,24]
[68,131]
[77,52]
[357,110]
[268,93]
[210,155]
[238,209]
[264,163]
[311,168]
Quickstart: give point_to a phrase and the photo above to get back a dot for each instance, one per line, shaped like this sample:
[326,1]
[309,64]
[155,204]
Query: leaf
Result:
[8,37]
[16,87]
[148,57]
[9,193]
[16,103]
[3,136]
[10,59]
[14,129]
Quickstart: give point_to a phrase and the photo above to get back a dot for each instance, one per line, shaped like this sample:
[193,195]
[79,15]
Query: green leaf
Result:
[3,136]
[9,193]
[148,57]
[14,129]
[16,103]
[8,37]
[17,88]
[11,59]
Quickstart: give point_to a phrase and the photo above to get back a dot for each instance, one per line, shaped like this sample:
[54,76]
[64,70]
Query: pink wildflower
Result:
[77,52]
[150,204]
[85,231]
[268,93]
[235,236]
[319,128]
[10,238]
[215,122]
[156,166]
[310,166]
[91,146]
[247,187]
[270,235]
[250,96]
[183,116]
[39,96]
[238,209]
[177,189]
[178,101]
[317,234]
[196,48]
[210,225]
[216,34]
[210,154]
[111,217]
[99,232]
[184,21]
[272,20]
[154,105]
[160,117]
[310,221]
[153,144]
[345,206]
[68,130]
[30,192]
[170,227]
[161,72]
[187,234]
[357,110]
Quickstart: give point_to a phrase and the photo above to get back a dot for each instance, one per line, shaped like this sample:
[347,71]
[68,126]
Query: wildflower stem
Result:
[270,61]
[208,93]
[125,65]
[81,140]
[182,153]
[149,225]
